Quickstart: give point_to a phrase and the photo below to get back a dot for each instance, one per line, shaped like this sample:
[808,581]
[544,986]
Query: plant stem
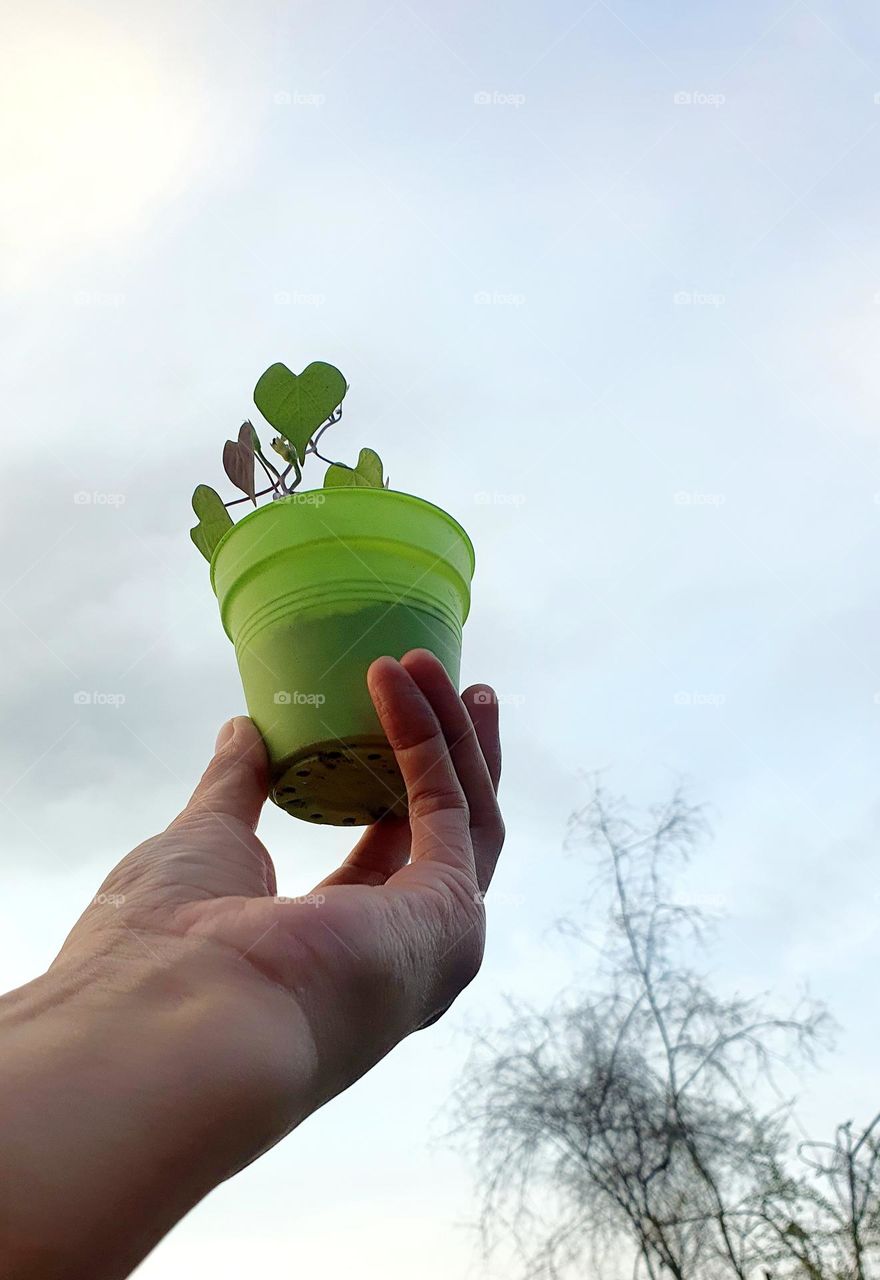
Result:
[277,477]
[312,446]
[270,470]
[261,493]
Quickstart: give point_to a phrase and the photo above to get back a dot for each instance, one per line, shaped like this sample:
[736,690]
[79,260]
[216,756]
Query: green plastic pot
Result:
[311,589]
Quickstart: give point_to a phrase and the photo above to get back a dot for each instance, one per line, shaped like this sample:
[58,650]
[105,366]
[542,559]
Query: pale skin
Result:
[191,1020]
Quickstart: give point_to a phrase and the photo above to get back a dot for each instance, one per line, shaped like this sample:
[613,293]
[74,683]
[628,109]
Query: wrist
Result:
[125,1097]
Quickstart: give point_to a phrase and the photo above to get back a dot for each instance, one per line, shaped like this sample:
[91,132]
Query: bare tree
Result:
[638,1119]
[840,1229]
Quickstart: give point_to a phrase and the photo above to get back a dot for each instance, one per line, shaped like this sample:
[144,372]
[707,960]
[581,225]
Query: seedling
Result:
[300,407]
[313,586]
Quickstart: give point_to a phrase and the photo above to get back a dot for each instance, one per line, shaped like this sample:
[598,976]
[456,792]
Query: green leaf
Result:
[366,475]
[214,519]
[297,404]
[339,477]
[370,467]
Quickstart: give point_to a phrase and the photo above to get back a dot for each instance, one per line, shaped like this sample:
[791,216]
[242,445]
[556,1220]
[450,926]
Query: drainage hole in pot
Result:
[374,755]
[348,822]
[303,773]
[332,755]
[316,817]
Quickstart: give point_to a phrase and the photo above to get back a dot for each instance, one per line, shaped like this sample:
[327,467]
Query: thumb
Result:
[236,782]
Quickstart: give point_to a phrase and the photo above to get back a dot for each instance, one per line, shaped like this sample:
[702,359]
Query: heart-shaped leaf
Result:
[339,477]
[370,467]
[297,403]
[366,475]
[238,461]
[214,519]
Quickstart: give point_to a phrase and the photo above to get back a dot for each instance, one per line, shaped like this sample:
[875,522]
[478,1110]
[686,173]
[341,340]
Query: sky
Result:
[604,279]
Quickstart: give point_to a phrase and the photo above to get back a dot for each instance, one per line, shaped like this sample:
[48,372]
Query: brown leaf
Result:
[238,461]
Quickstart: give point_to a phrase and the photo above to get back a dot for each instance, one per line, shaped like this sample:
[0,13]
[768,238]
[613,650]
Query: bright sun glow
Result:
[94,132]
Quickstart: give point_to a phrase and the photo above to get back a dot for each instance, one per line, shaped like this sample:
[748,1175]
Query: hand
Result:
[221,1015]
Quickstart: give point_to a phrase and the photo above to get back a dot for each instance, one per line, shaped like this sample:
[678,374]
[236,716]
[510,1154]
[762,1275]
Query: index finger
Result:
[438,810]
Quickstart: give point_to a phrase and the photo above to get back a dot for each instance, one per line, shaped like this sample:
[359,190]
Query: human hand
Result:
[224,1015]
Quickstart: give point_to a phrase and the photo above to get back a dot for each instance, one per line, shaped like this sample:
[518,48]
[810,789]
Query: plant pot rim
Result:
[345,495]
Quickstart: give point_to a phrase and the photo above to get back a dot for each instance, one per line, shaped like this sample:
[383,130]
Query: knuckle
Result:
[490,835]
[497,833]
[404,738]
[434,798]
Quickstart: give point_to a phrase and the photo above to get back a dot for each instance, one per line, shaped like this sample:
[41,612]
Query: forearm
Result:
[110,1131]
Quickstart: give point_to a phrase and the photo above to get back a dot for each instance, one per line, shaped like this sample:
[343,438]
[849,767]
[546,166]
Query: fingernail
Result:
[226,732]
